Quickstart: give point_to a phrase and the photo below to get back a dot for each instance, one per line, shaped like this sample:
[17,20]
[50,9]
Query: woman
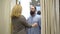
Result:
[19,22]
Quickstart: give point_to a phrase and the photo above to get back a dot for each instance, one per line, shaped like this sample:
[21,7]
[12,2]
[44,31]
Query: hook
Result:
[19,2]
[16,1]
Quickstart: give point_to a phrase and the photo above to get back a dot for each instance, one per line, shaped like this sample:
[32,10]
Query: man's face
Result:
[32,12]
[32,8]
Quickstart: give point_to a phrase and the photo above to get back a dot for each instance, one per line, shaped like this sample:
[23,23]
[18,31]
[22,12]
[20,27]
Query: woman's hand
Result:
[35,25]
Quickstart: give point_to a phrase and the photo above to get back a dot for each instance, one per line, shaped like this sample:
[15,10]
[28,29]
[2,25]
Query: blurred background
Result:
[26,6]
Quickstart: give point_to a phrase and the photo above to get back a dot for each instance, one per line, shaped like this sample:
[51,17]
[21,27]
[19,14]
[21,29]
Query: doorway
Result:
[26,4]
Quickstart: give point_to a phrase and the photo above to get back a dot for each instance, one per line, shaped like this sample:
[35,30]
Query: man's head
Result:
[39,12]
[33,10]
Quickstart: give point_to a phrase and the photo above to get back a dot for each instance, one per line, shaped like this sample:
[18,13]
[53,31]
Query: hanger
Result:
[17,2]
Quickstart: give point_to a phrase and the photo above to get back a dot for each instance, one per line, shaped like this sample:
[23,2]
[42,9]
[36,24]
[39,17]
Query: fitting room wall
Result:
[4,17]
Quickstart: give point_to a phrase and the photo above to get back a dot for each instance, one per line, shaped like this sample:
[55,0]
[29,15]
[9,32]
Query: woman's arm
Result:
[24,22]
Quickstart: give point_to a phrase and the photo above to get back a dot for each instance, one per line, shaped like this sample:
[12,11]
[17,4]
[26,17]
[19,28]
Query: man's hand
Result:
[35,25]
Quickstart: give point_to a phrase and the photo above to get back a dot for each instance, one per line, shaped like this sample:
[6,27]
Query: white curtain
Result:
[50,16]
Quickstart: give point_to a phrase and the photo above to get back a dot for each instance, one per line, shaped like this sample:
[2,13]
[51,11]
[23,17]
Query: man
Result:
[39,12]
[34,18]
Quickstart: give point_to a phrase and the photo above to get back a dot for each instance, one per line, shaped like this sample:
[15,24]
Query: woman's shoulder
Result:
[22,17]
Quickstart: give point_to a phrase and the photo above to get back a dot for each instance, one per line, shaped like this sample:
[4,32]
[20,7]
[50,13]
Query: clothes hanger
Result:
[17,2]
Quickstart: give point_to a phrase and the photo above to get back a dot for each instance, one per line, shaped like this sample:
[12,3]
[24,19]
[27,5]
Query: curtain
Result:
[50,16]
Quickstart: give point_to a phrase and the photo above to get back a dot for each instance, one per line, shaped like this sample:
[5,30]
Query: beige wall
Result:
[4,17]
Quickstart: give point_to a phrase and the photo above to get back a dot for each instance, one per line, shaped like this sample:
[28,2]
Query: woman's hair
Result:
[16,11]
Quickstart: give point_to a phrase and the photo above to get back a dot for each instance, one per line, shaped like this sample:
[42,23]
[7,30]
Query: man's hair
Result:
[34,7]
